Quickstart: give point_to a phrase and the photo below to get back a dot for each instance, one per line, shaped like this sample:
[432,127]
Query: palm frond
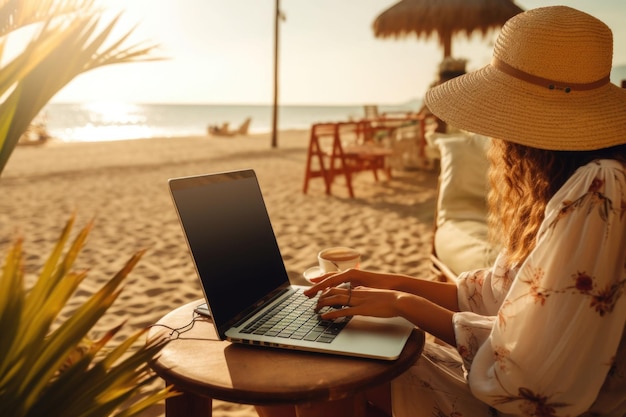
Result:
[11,305]
[58,371]
[70,39]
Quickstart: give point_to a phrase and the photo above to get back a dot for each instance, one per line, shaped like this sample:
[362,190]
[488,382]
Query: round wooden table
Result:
[202,367]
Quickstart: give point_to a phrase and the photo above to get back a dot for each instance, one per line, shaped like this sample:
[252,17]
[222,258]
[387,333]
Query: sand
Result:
[123,186]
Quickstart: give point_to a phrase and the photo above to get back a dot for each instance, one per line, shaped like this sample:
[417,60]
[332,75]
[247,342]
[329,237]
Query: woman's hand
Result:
[355,277]
[429,305]
[359,301]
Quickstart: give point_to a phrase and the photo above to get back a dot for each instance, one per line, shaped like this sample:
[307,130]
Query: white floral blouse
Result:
[548,338]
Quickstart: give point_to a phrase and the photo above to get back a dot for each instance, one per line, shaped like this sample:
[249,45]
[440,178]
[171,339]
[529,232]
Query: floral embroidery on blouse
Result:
[594,198]
[476,281]
[501,314]
[503,278]
[602,300]
[536,291]
[532,404]
[605,300]
[500,354]
[469,349]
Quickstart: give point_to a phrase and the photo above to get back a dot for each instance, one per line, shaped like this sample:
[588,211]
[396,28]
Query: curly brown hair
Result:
[523,180]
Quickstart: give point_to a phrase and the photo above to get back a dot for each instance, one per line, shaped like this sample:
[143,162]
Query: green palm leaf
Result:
[69,39]
[11,304]
[53,369]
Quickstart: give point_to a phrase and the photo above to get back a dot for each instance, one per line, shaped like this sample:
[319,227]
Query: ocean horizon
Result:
[106,121]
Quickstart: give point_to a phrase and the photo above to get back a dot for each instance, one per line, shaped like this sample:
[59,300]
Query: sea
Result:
[107,121]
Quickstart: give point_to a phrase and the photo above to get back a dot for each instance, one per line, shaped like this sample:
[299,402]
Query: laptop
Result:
[244,280]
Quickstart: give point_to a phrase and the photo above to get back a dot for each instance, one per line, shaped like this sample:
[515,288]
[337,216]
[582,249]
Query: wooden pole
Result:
[447,44]
[275,107]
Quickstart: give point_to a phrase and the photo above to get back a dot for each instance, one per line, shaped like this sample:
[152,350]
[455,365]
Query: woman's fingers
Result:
[340,312]
[334,297]
[358,301]
[321,277]
[337,298]
[325,281]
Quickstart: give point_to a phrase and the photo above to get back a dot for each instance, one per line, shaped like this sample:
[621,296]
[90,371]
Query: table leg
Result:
[188,405]
[355,406]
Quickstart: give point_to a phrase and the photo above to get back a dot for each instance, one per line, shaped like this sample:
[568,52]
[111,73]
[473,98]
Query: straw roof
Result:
[443,18]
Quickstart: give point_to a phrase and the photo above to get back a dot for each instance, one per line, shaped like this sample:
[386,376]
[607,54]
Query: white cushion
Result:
[462,245]
[463,179]
[461,233]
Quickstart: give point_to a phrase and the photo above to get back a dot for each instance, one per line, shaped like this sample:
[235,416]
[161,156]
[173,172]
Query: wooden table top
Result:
[197,362]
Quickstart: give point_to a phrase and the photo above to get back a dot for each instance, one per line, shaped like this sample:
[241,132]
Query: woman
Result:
[541,333]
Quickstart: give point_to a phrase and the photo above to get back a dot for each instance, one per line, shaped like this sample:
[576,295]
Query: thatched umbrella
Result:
[443,18]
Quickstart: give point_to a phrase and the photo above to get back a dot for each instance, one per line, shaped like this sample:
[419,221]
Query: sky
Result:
[221,52]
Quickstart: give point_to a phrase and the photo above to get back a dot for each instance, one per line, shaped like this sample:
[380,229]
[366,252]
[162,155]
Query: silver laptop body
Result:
[241,270]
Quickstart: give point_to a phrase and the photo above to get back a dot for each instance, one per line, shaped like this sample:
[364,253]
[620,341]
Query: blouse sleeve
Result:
[551,344]
[482,291]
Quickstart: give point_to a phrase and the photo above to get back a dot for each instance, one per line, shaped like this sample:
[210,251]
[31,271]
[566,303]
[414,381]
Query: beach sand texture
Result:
[123,186]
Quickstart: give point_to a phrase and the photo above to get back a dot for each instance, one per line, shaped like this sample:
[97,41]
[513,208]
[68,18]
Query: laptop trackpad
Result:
[378,334]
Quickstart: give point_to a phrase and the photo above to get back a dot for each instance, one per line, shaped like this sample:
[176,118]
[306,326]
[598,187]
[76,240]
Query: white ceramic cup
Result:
[338,258]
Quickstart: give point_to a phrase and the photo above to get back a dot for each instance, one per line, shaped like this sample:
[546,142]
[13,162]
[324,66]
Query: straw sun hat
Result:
[547,85]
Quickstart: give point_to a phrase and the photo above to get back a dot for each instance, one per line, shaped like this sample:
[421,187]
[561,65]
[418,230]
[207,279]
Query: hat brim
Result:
[495,104]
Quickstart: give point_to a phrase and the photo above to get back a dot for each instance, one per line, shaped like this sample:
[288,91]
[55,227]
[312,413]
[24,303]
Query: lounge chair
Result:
[225,131]
[35,134]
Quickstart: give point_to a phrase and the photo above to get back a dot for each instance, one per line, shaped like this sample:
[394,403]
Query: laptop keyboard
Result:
[295,318]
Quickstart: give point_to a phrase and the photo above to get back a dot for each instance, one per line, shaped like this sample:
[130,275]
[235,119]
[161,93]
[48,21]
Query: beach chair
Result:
[35,134]
[225,131]
[341,150]
[460,223]
[371,112]
[245,126]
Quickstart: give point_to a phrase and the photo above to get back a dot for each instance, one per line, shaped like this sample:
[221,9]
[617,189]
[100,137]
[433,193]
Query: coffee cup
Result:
[338,258]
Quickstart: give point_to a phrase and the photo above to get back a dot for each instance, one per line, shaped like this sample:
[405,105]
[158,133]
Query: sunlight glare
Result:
[114,112]
[112,120]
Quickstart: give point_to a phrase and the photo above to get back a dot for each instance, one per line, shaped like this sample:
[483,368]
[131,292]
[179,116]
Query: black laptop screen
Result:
[231,240]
